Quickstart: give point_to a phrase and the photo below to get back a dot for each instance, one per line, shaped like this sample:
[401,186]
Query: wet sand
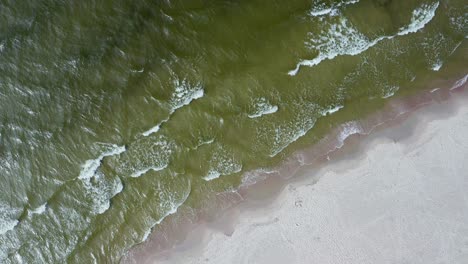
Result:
[394,196]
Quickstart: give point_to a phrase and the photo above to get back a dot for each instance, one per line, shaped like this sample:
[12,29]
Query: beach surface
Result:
[396,196]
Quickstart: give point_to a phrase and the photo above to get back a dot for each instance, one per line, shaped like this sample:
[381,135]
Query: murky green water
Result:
[114,113]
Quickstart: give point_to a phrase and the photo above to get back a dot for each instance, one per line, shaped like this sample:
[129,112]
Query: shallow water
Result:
[114,113]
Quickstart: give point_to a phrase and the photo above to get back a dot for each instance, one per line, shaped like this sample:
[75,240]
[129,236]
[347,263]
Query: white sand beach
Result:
[402,197]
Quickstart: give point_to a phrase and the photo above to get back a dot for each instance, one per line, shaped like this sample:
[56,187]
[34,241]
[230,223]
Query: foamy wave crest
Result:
[146,155]
[152,130]
[204,142]
[101,190]
[39,210]
[156,128]
[331,110]
[322,9]
[436,66]
[88,169]
[172,211]
[390,91]
[251,177]
[262,107]
[183,95]
[343,39]
[459,83]
[348,129]
[287,133]
[435,49]
[420,18]
[222,163]
[7,218]
[338,39]
[144,171]
[170,204]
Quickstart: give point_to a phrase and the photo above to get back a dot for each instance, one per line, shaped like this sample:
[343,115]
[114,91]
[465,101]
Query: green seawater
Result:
[115,113]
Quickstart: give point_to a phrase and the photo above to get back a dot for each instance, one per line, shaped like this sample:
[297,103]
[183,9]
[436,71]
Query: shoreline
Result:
[180,233]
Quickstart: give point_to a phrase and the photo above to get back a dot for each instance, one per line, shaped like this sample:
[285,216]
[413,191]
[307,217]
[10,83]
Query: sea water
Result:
[115,113]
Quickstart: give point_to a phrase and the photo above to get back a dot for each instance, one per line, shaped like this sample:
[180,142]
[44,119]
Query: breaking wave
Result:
[343,39]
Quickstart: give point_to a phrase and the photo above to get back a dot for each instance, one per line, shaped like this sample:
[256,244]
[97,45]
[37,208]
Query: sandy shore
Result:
[396,196]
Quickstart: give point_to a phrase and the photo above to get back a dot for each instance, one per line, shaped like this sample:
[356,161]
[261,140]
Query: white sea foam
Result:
[291,139]
[460,82]
[251,177]
[459,23]
[437,66]
[321,10]
[102,192]
[138,71]
[139,173]
[18,258]
[390,91]
[146,234]
[118,188]
[222,163]
[7,225]
[207,142]
[339,39]
[157,127]
[343,39]
[420,18]
[230,168]
[174,206]
[183,95]
[213,174]
[266,111]
[102,207]
[39,210]
[7,218]
[88,169]
[152,130]
[287,133]
[349,129]
[263,107]
[144,171]
[173,210]
[332,110]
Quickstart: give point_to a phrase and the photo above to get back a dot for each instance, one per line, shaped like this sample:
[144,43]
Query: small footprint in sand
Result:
[298,203]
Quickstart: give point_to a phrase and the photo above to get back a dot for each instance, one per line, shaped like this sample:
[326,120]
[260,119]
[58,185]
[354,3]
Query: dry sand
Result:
[402,197]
